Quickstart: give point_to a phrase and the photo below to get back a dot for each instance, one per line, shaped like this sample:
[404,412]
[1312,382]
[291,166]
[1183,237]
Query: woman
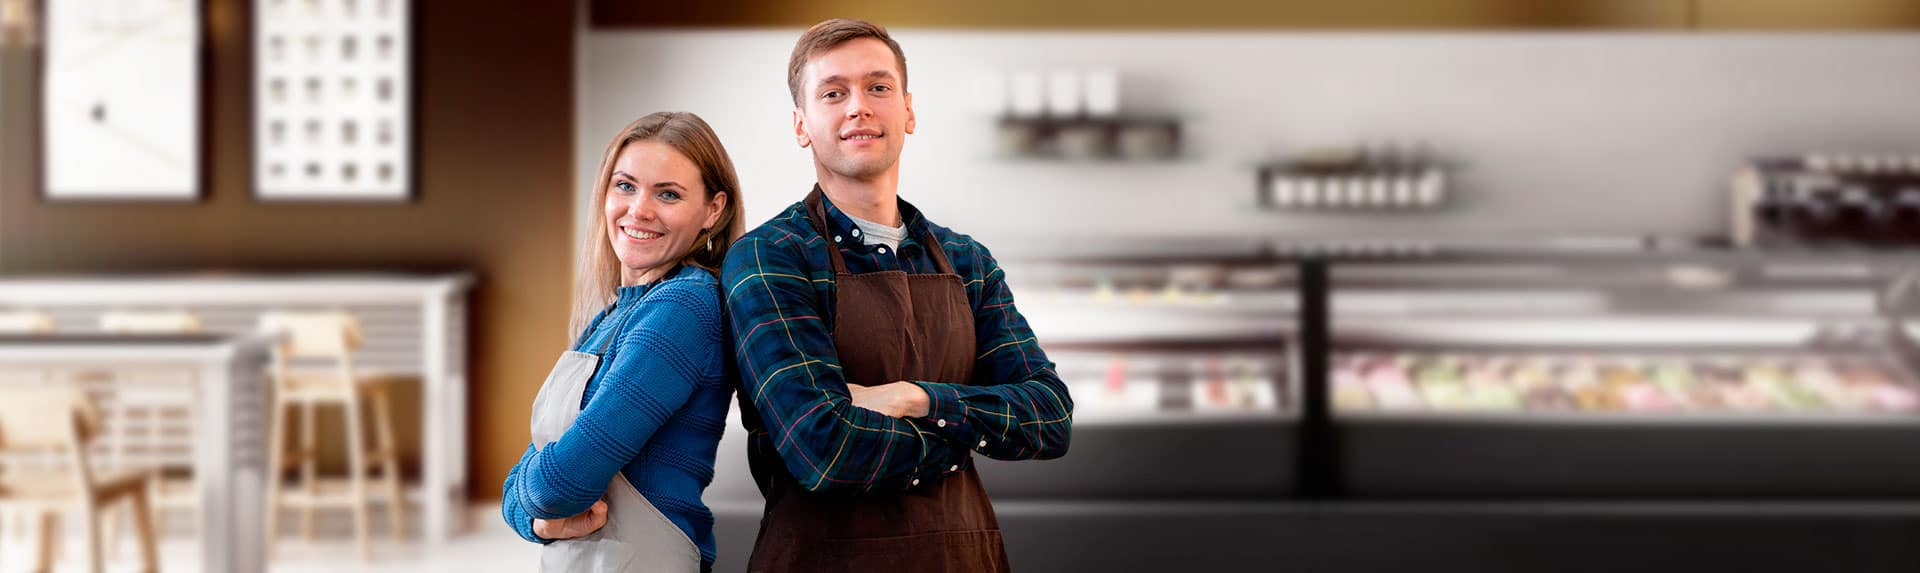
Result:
[625,427]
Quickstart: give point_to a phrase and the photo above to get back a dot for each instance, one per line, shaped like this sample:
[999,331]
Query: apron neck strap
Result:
[939,253]
[817,213]
[608,343]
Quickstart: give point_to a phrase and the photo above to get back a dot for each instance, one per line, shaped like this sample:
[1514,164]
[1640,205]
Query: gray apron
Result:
[636,538]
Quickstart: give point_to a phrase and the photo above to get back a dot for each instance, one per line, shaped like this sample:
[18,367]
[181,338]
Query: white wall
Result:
[1560,134]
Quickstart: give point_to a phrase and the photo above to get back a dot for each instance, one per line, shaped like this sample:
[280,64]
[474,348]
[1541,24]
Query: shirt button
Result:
[836,238]
[883,250]
[916,481]
[940,423]
[856,232]
[983,442]
[954,468]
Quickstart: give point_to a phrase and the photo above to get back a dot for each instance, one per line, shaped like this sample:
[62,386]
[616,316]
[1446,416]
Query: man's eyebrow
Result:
[888,74]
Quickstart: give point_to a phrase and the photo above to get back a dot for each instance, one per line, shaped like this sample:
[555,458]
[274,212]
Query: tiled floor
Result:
[486,547]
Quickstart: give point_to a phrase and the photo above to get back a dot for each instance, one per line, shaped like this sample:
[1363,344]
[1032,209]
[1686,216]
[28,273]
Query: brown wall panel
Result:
[494,82]
[1131,14]
[1809,15]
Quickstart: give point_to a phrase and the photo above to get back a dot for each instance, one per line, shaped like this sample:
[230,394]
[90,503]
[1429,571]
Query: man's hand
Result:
[898,399]
[586,522]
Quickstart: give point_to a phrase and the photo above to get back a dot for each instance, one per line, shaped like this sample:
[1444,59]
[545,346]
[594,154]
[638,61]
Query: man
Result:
[878,351]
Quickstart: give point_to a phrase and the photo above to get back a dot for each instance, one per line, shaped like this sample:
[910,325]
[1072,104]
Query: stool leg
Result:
[110,529]
[357,477]
[193,476]
[122,434]
[48,544]
[96,562]
[157,459]
[309,462]
[276,461]
[390,462]
[154,491]
[143,532]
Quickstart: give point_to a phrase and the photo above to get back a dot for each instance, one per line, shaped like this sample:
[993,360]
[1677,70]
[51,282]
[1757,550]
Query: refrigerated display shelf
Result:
[1643,386]
[1817,419]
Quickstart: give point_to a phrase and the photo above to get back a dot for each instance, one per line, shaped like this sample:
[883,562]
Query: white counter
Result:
[415,325]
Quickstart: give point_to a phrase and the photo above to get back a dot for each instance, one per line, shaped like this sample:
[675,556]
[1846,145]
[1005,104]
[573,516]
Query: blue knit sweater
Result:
[654,411]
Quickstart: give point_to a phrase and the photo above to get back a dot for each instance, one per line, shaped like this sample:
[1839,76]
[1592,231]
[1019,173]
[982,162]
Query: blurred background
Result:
[1456,285]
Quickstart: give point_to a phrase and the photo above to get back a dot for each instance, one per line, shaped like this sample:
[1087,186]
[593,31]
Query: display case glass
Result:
[1179,368]
[1676,374]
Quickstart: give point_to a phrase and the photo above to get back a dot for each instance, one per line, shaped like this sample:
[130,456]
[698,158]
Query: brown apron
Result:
[888,326]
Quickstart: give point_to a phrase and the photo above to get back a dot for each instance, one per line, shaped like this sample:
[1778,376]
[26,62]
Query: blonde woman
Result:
[626,426]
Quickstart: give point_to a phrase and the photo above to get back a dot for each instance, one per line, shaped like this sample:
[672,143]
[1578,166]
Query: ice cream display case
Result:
[1675,375]
[1181,369]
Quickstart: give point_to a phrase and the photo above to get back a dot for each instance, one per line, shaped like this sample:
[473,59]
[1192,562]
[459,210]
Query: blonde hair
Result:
[599,274]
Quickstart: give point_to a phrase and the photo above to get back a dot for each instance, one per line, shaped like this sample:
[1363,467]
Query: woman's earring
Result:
[709,243]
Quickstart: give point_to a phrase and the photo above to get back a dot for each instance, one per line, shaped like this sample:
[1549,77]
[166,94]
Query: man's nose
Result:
[857,106]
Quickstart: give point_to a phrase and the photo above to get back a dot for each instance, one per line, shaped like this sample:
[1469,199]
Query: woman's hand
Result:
[585,523]
[898,399]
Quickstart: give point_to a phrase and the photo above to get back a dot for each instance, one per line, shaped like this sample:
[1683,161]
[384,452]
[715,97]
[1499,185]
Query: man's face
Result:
[852,110]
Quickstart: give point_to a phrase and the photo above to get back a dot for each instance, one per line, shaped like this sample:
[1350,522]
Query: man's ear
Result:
[909,112]
[800,129]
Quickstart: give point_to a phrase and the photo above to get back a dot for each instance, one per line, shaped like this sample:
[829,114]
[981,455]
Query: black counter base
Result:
[1430,537]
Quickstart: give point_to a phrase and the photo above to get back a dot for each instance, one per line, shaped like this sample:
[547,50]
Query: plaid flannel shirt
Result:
[779,288]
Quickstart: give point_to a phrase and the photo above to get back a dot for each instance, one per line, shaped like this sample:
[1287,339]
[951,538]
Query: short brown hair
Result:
[825,35]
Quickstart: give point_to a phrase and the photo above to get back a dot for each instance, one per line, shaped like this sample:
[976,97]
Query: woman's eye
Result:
[624,187]
[669,195]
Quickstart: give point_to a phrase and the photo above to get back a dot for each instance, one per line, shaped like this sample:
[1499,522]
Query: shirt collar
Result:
[840,225]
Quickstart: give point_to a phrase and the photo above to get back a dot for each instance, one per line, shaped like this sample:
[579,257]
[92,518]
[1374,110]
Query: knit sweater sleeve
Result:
[662,357]
[510,507]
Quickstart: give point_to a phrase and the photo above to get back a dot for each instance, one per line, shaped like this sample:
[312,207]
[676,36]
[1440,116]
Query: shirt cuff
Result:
[947,413]
[939,464]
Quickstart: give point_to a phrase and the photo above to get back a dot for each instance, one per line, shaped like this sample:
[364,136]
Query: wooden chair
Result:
[327,337]
[64,420]
[16,522]
[142,400]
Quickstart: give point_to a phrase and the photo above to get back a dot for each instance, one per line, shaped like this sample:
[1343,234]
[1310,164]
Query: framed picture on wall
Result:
[120,100]
[333,100]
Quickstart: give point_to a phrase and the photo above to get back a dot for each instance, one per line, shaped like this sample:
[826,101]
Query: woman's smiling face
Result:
[656,207]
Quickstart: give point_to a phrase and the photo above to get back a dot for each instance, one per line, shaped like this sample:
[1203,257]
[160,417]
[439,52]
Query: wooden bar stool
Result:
[143,400]
[64,420]
[328,337]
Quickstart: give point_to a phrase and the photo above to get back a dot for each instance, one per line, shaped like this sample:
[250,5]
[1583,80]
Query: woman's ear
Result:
[716,206]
